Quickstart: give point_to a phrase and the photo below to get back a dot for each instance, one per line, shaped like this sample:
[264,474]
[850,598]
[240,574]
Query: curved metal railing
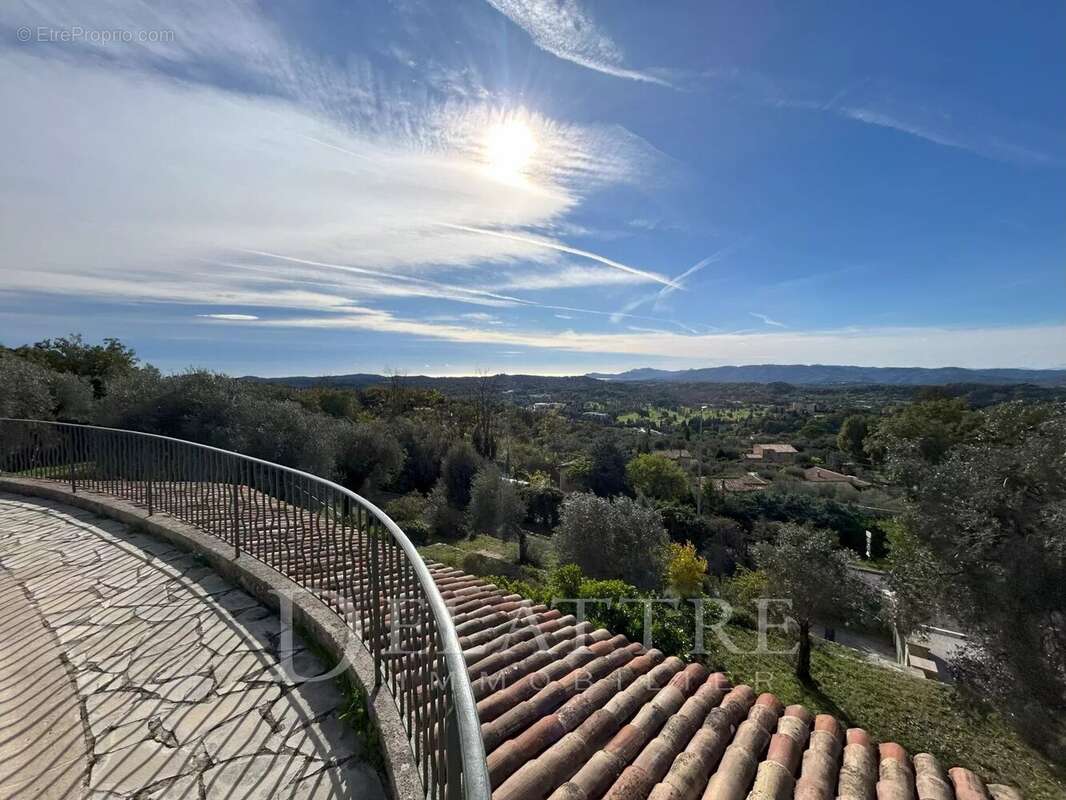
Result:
[325,538]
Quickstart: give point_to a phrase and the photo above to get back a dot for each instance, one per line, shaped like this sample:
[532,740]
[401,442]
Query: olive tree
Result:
[613,538]
[24,391]
[983,541]
[371,457]
[496,508]
[32,391]
[805,566]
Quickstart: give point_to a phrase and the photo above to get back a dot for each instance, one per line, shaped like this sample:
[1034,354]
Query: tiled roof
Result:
[572,713]
[674,454]
[745,483]
[777,448]
[823,475]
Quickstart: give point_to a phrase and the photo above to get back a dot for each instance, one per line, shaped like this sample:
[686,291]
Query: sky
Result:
[536,186]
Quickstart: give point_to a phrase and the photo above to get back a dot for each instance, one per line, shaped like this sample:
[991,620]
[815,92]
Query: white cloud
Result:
[566,277]
[230,317]
[562,28]
[125,177]
[767,320]
[488,319]
[1023,346]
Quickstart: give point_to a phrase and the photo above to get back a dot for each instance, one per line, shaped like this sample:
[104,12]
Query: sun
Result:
[509,148]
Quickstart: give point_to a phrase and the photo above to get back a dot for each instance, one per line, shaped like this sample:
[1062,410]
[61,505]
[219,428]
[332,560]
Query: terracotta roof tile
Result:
[930,779]
[858,773]
[818,774]
[573,713]
[967,785]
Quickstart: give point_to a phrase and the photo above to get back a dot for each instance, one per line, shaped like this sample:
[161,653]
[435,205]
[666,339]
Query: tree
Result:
[496,508]
[552,429]
[657,477]
[922,432]
[779,505]
[852,435]
[726,545]
[442,519]
[607,469]
[543,503]
[686,570]
[33,391]
[484,435]
[372,457]
[228,413]
[25,389]
[457,473]
[97,362]
[804,566]
[284,432]
[984,539]
[613,538]
[683,525]
[340,403]
[425,444]
[407,508]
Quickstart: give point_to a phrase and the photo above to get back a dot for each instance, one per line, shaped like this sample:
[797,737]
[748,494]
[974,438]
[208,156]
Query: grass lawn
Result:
[921,715]
[658,414]
[452,553]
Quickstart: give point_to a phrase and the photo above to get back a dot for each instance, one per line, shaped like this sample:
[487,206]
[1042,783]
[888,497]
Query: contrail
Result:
[632,305]
[410,279]
[690,271]
[562,248]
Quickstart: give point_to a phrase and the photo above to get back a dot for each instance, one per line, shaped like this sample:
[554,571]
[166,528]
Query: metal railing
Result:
[325,538]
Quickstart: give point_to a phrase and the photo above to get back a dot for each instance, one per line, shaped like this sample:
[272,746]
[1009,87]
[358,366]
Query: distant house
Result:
[596,416]
[745,483]
[823,475]
[542,407]
[772,453]
[682,457]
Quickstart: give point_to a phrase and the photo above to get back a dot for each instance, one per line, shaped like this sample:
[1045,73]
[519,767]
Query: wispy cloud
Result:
[915,111]
[350,224]
[564,29]
[478,316]
[562,248]
[767,320]
[230,317]
[569,276]
[1027,346]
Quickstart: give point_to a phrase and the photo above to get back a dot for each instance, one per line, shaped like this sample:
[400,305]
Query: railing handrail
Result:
[475,768]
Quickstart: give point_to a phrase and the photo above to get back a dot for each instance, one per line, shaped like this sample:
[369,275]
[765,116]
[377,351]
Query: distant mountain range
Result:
[831,375]
[797,374]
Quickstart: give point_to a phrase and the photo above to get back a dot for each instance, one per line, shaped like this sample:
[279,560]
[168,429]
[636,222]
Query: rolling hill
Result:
[833,375]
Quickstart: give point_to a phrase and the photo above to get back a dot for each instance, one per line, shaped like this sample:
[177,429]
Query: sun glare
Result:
[509,148]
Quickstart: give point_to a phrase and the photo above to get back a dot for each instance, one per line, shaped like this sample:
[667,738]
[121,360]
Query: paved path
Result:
[129,669]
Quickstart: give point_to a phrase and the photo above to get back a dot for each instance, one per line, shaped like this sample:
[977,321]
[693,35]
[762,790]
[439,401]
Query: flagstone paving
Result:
[129,669]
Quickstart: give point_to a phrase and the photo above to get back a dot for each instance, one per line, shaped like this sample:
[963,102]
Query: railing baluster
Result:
[325,538]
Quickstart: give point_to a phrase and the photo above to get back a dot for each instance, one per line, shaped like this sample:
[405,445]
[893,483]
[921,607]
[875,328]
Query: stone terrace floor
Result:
[128,669]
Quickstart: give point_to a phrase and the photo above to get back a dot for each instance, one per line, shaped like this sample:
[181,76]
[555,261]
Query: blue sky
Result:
[536,186]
